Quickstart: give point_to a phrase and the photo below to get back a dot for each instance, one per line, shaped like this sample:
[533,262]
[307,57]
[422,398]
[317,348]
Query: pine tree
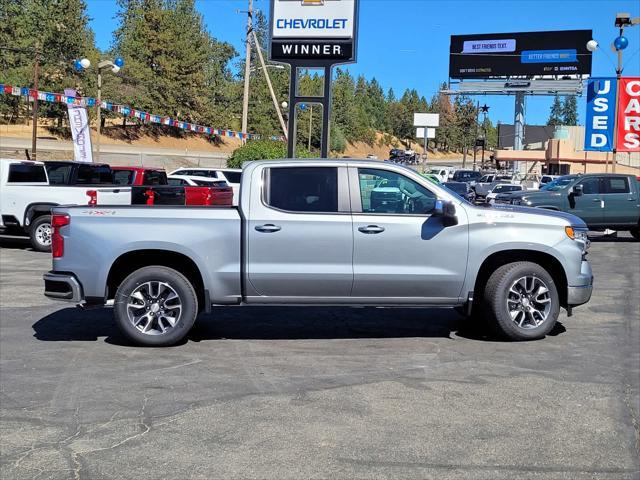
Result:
[555,115]
[61,32]
[570,111]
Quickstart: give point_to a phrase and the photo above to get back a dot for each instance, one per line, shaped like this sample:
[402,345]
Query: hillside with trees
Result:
[174,66]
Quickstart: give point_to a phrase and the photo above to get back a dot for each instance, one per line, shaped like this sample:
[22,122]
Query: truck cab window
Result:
[123,177]
[154,177]
[59,174]
[383,191]
[591,186]
[94,175]
[303,189]
[25,173]
[617,185]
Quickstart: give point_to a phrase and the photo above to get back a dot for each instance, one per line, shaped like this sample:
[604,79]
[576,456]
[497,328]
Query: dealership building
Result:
[559,151]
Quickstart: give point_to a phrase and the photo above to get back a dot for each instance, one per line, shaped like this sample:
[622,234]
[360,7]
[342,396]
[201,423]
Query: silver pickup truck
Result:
[322,232]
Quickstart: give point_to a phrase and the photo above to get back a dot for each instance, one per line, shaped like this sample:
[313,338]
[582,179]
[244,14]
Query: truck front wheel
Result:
[40,233]
[521,301]
[155,306]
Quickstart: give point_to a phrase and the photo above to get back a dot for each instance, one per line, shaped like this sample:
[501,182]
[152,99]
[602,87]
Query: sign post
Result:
[426,120]
[312,34]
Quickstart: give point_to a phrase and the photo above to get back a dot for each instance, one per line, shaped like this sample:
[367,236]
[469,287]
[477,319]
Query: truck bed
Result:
[210,237]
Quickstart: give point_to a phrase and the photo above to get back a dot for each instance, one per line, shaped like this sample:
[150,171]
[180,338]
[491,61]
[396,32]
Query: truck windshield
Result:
[557,184]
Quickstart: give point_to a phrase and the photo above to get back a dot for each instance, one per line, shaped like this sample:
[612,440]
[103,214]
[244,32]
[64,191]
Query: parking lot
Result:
[284,393]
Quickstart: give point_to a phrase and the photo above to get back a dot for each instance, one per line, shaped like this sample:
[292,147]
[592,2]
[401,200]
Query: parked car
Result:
[29,189]
[230,175]
[502,188]
[486,183]
[209,190]
[442,172]
[465,176]
[310,232]
[151,186]
[602,200]
[462,189]
[544,179]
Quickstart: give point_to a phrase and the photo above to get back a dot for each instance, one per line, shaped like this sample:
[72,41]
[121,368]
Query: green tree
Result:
[570,111]
[171,61]
[60,30]
[555,114]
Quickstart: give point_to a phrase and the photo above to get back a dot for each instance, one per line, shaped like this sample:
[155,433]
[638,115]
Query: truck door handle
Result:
[268,228]
[369,229]
[596,199]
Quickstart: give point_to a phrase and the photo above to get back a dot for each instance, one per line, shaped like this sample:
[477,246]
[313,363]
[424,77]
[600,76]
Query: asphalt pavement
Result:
[290,393]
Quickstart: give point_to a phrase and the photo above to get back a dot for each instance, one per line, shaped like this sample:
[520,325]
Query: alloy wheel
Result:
[154,308]
[529,302]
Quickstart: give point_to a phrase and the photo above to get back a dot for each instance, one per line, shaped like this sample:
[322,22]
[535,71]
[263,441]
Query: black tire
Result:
[496,295]
[40,233]
[635,233]
[136,284]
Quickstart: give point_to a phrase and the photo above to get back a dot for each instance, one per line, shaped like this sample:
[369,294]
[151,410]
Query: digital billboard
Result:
[520,54]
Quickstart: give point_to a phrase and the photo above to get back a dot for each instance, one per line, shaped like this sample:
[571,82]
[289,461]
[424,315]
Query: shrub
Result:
[261,150]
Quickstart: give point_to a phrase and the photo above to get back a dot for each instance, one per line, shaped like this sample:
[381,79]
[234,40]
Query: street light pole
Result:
[99,114]
[115,66]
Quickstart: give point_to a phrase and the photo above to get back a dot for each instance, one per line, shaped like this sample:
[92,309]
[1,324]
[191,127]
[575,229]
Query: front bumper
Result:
[579,295]
[63,286]
[580,291]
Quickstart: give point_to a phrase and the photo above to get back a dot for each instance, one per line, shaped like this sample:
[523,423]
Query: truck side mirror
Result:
[444,209]
[577,191]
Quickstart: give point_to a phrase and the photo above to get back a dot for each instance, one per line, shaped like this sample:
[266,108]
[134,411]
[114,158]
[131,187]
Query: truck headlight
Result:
[579,234]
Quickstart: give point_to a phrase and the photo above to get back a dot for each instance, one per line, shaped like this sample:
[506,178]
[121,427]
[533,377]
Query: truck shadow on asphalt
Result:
[278,323]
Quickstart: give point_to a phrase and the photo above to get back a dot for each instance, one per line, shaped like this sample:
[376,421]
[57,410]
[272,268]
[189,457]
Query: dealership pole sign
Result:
[312,34]
[613,125]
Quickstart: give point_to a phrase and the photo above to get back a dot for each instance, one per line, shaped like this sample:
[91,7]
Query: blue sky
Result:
[405,43]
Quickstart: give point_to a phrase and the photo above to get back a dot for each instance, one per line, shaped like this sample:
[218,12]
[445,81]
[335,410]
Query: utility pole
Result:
[247,67]
[34,108]
[266,75]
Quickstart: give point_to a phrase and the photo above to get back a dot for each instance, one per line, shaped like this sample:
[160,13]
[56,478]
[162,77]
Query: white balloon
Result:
[592,45]
[85,62]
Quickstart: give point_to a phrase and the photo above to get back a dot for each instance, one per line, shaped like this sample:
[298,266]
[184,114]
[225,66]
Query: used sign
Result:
[601,108]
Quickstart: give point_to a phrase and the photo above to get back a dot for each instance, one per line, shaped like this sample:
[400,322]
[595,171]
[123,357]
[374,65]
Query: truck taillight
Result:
[57,241]
[93,197]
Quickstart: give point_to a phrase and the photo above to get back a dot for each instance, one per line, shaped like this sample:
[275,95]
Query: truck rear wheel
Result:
[155,306]
[521,301]
[40,233]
